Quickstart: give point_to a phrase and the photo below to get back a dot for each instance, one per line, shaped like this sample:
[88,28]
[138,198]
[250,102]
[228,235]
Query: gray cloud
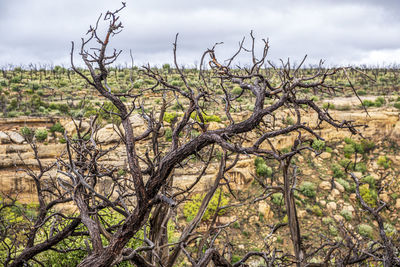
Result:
[340,32]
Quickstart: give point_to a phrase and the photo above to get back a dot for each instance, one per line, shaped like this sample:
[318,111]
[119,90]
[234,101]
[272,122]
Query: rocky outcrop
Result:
[14,151]
[16,137]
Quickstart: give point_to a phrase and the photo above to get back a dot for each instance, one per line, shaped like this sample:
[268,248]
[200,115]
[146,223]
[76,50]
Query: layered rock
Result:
[15,152]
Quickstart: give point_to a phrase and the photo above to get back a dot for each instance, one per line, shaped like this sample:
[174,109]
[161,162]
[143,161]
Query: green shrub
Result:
[348,140]
[63,108]
[289,120]
[236,225]
[53,106]
[176,106]
[337,171]
[368,195]
[261,167]
[365,230]
[361,167]
[237,90]
[57,127]
[380,100]
[25,131]
[121,172]
[41,134]
[327,220]
[390,230]
[318,145]
[277,199]
[348,150]
[235,258]
[169,117]
[168,134]
[346,215]
[263,170]
[328,106]
[361,92]
[369,180]
[206,118]
[368,103]
[333,230]
[308,189]
[397,105]
[344,183]
[191,208]
[258,161]
[384,162]
[317,210]
[367,145]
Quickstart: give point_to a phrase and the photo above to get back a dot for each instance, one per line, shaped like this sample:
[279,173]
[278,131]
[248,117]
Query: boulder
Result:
[301,213]
[331,206]
[339,187]
[226,219]
[348,208]
[265,209]
[71,129]
[384,197]
[4,138]
[335,193]
[16,137]
[338,218]
[325,155]
[107,135]
[397,206]
[325,185]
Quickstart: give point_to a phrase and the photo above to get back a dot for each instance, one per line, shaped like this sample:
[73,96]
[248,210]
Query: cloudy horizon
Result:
[338,32]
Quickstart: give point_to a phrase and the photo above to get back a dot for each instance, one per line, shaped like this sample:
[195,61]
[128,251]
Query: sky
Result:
[340,32]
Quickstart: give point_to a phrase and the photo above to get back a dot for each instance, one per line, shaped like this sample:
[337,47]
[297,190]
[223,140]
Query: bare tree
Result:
[148,196]
[150,182]
[50,196]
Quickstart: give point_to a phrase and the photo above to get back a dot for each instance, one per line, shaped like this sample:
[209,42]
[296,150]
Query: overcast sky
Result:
[338,31]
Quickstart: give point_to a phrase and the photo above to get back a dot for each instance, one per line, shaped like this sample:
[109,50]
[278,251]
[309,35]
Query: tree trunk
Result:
[292,214]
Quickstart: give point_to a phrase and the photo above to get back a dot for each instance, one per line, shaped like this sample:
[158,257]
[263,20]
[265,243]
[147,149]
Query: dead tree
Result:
[50,197]
[147,197]
[149,181]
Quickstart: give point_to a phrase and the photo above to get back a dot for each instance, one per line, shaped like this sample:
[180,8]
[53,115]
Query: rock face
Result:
[71,128]
[13,148]
[4,138]
[108,135]
[16,137]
